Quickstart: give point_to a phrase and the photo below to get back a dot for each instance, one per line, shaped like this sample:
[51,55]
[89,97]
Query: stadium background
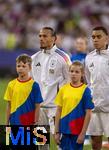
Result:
[21,20]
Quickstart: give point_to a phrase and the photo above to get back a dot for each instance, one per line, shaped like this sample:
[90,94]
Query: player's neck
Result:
[105,47]
[76,84]
[81,51]
[24,78]
[49,47]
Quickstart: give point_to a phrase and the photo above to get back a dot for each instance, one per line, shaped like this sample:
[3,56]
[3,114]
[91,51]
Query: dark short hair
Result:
[24,58]
[53,32]
[101,28]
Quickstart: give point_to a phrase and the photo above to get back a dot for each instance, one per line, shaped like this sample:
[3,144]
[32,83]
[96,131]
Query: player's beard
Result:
[43,47]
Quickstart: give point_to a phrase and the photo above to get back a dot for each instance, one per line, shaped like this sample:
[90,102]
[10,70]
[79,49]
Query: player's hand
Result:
[80,138]
[57,138]
[35,123]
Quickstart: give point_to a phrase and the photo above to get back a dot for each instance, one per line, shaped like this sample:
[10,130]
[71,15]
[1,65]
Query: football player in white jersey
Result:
[97,75]
[50,69]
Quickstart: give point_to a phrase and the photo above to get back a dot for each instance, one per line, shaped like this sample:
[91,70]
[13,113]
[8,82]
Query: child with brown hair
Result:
[74,104]
[23,95]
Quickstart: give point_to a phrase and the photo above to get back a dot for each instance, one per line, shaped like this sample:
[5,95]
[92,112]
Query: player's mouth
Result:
[96,44]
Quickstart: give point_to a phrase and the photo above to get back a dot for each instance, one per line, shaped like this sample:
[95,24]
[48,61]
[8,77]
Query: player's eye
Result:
[71,71]
[93,37]
[18,66]
[99,36]
[77,71]
[23,66]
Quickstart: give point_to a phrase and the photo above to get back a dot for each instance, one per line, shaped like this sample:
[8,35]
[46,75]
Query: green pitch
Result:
[3,85]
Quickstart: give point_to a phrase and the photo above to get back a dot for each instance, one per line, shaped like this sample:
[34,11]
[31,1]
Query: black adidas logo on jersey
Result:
[91,65]
[38,64]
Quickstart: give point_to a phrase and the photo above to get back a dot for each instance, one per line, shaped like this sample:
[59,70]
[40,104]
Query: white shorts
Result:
[46,117]
[99,124]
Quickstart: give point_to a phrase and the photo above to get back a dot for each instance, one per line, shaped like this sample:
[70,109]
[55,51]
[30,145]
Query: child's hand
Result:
[80,138]
[57,138]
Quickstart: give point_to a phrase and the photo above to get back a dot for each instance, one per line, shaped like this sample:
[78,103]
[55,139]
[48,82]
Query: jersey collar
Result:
[50,51]
[102,51]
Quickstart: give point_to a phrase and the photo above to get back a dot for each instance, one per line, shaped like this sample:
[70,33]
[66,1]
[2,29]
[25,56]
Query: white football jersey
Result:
[50,70]
[97,75]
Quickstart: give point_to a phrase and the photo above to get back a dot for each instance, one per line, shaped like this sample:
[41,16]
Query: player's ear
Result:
[55,37]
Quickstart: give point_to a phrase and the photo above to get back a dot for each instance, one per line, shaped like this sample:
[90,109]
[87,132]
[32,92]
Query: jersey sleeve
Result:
[87,98]
[36,94]
[58,100]
[65,69]
[87,73]
[8,93]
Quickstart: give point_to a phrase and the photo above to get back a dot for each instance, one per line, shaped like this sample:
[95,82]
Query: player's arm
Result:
[37,109]
[37,98]
[87,73]
[85,126]
[65,71]
[57,120]
[8,110]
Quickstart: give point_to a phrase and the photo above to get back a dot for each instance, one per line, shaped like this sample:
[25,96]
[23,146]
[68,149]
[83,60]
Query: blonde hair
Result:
[79,64]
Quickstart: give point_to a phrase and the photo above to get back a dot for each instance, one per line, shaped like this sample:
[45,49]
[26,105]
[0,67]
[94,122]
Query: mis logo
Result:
[26,135]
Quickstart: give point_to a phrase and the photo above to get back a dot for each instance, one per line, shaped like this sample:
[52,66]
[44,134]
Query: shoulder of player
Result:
[63,55]
[87,89]
[12,82]
[65,86]
[35,85]
[35,55]
[60,52]
[91,53]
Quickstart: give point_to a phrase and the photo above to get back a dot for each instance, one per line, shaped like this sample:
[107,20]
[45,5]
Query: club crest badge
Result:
[52,65]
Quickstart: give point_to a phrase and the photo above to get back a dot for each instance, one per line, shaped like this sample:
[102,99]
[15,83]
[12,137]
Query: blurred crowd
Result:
[21,20]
